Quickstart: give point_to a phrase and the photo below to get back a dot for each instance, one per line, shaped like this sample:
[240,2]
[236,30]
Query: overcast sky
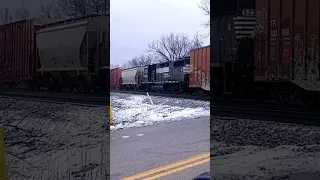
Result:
[32,5]
[136,23]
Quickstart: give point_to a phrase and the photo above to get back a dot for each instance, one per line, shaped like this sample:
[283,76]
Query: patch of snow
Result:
[137,110]
[251,149]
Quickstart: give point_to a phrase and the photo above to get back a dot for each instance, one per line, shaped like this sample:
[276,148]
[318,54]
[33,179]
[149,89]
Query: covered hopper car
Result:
[71,53]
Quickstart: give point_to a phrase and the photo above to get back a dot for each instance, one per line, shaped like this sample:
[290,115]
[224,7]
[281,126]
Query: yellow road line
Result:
[178,169]
[178,164]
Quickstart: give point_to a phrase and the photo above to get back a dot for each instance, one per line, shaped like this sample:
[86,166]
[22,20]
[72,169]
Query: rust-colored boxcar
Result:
[115,78]
[287,42]
[18,52]
[200,68]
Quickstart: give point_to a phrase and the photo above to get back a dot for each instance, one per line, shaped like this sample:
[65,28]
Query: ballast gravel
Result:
[252,149]
[54,140]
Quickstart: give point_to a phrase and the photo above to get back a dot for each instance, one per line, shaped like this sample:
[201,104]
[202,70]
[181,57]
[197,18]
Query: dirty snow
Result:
[137,110]
[248,149]
[53,141]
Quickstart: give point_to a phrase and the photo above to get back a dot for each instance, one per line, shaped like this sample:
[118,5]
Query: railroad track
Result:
[77,99]
[266,112]
[219,107]
[174,95]
[80,98]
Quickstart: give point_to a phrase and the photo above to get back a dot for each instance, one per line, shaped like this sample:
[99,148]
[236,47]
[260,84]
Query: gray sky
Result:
[32,5]
[134,24]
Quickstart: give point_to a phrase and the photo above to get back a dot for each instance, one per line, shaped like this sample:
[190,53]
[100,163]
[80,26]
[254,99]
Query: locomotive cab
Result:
[232,61]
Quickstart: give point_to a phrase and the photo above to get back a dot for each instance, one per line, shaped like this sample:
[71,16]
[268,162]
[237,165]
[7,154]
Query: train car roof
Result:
[200,47]
[132,67]
[180,59]
[116,68]
[72,20]
[55,21]
[36,21]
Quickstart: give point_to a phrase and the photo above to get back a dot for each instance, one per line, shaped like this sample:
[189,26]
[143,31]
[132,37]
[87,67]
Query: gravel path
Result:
[248,149]
[53,141]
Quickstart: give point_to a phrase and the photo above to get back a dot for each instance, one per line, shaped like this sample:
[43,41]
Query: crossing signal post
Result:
[3,161]
[111,117]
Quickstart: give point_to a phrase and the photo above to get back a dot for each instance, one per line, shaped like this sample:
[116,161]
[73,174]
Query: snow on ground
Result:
[248,149]
[53,141]
[137,110]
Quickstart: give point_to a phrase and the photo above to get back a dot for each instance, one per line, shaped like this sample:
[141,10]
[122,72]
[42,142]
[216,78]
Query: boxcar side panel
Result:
[18,54]
[293,44]
[305,61]
[200,68]
[312,46]
[261,41]
[115,78]
[285,39]
[299,39]
[274,32]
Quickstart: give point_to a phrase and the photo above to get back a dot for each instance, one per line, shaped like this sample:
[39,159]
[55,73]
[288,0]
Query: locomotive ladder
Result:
[244,27]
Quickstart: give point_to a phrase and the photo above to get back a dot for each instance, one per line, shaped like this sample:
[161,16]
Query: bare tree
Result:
[100,6]
[112,66]
[205,7]
[52,10]
[5,16]
[141,60]
[22,12]
[197,40]
[74,8]
[173,46]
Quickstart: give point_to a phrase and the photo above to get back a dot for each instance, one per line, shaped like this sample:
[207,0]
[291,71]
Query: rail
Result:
[265,112]
[173,95]
[76,99]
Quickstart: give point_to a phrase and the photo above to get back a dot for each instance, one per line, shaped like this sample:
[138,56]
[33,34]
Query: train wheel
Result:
[306,99]
[279,97]
[96,90]
[87,89]
[199,92]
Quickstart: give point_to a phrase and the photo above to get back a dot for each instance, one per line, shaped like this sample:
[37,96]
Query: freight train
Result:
[185,75]
[266,49]
[68,53]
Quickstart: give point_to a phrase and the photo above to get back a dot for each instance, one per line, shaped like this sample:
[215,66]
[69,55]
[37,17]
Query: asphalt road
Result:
[137,150]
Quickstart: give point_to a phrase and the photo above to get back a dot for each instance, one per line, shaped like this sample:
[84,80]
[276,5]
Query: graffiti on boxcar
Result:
[305,65]
[297,65]
[205,81]
[313,62]
[261,21]
[261,35]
